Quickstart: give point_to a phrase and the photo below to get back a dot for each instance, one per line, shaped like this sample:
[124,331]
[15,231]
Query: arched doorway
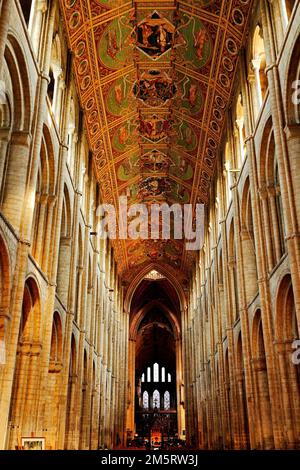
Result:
[155,411]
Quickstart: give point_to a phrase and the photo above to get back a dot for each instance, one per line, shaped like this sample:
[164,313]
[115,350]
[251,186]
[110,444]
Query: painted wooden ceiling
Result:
[154,79]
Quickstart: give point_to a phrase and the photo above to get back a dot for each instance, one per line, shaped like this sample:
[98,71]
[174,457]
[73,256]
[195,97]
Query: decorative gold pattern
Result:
[154,80]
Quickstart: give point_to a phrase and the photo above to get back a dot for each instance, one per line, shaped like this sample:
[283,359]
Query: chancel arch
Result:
[155,358]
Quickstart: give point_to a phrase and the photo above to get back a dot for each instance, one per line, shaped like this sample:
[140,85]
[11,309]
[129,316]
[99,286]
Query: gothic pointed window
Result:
[163,374]
[166,400]
[145,400]
[156,399]
[169,378]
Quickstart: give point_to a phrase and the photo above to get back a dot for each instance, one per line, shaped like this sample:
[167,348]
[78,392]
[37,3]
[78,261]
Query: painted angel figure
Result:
[199,42]
[112,46]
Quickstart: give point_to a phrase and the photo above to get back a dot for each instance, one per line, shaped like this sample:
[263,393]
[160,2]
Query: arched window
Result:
[56,83]
[156,399]
[240,127]
[258,64]
[55,362]
[155,372]
[145,400]
[166,400]
[169,378]
[228,174]
[143,377]
[163,374]
[148,374]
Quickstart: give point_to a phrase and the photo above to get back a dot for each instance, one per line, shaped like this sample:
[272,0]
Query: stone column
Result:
[259,368]
[38,249]
[16,177]
[6,7]
[242,408]
[47,235]
[131,387]
[290,393]
[266,224]
[276,235]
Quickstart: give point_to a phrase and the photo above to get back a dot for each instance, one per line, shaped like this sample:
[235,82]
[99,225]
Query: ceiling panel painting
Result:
[155,79]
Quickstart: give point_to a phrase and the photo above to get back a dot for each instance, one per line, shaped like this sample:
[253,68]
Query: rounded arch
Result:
[56,341]
[56,53]
[18,71]
[267,153]
[231,240]
[292,106]
[85,367]
[30,328]
[258,345]
[226,365]
[48,162]
[239,353]
[139,278]
[66,219]
[246,209]
[286,325]
[73,356]
[258,46]
[5,111]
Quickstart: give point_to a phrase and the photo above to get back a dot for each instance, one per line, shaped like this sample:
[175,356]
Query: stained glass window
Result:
[167,400]
[145,400]
[156,399]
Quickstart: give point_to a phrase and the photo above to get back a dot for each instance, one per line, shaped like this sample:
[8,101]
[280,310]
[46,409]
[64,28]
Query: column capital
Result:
[263,192]
[52,199]
[43,199]
[251,78]
[57,71]
[42,6]
[259,363]
[240,123]
[244,234]
[256,63]
[62,83]
[21,138]
[292,131]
